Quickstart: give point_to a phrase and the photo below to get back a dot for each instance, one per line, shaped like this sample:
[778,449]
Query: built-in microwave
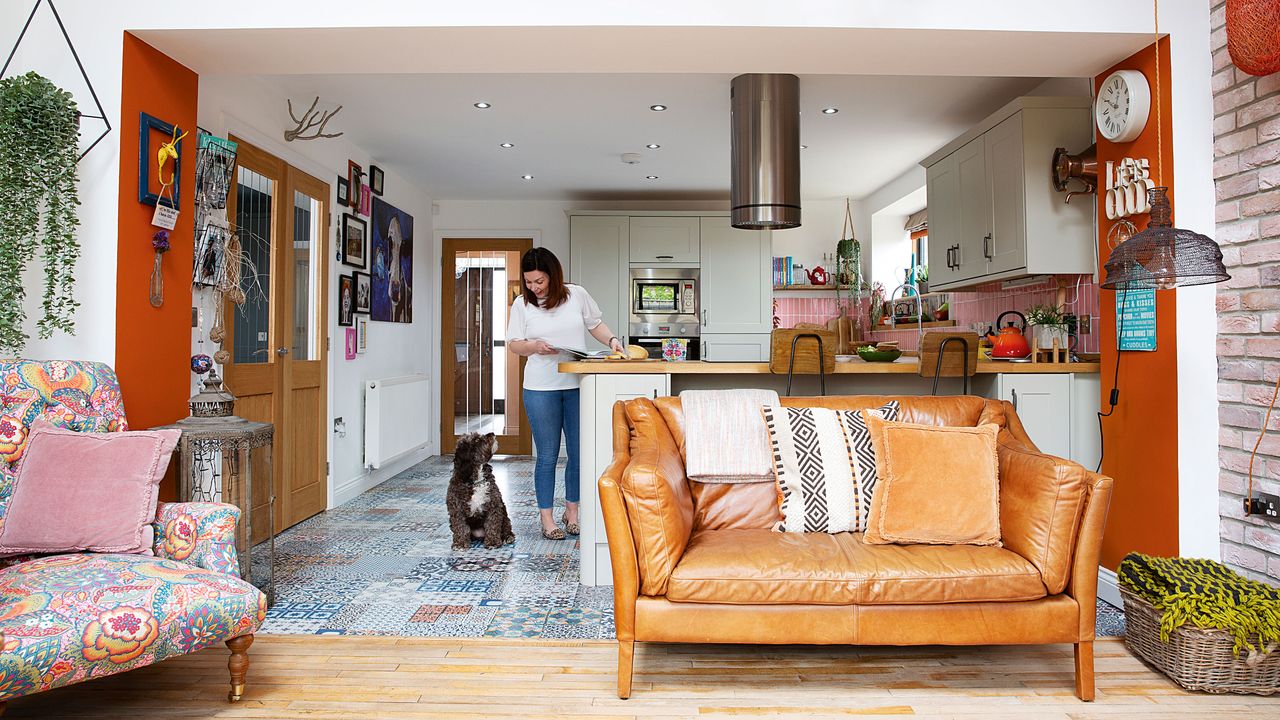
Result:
[664,294]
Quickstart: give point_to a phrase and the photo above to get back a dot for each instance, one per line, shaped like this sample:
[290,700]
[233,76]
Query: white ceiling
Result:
[573,98]
[569,131]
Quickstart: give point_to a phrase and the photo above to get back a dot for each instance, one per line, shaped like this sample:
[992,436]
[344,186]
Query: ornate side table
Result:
[217,453]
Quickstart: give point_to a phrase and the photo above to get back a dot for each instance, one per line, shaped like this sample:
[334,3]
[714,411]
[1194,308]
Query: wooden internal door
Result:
[481,379]
[277,336]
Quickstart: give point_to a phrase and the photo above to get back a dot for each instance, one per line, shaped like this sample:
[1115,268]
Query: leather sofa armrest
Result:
[1083,585]
[622,547]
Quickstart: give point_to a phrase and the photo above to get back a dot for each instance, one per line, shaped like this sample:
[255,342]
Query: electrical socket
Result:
[1264,506]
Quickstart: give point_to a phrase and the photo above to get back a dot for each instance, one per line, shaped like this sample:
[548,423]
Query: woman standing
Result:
[552,314]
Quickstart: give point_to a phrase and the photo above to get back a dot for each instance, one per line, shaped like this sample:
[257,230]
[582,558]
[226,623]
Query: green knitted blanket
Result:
[1206,594]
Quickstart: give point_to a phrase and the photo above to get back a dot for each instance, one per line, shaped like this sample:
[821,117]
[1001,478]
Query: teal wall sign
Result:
[1136,319]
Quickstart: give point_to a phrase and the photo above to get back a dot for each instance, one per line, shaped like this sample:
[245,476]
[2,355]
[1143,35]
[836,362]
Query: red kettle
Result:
[1010,343]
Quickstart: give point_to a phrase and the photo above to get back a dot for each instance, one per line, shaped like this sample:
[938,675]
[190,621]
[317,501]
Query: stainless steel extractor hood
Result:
[764,190]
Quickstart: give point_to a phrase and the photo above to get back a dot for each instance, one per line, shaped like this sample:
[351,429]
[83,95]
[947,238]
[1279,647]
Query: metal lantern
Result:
[217,453]
[1163,256]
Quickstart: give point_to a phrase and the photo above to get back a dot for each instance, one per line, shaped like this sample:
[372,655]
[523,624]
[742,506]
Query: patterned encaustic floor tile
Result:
[383,565]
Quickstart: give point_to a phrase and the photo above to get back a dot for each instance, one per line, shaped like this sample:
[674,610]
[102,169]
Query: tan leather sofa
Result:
[699,563]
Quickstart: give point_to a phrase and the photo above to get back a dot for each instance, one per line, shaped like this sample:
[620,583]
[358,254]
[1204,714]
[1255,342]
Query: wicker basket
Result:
[1196,658]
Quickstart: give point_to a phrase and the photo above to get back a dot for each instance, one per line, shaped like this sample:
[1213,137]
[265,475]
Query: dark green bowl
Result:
[870,354]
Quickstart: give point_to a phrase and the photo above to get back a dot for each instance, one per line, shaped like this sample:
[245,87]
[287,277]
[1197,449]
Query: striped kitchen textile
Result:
[726,440]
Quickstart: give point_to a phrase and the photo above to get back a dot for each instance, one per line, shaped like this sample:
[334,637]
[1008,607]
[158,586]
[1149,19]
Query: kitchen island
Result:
[1057,403]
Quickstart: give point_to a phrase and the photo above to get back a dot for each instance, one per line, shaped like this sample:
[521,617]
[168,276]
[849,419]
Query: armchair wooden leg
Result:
[626,651]
[238,664]
[1084,670]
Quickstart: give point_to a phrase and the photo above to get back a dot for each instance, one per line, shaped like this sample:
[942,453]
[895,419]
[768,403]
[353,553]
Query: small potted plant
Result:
[1047,323]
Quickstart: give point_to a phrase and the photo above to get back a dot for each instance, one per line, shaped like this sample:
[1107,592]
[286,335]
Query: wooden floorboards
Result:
[372,677]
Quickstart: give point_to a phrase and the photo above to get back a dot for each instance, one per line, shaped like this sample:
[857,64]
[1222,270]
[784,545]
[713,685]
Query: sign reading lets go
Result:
[1126,187]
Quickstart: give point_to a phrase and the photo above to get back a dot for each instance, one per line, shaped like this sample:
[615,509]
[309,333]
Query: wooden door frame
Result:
[523,444]
[287,178]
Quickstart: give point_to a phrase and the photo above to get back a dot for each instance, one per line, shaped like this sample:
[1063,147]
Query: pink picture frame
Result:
[366,200]
[351,343]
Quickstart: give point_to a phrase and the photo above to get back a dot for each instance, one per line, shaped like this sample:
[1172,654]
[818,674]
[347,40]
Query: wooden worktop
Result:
[904,365]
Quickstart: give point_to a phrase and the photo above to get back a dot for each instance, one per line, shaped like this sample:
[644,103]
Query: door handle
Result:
[664,257]
[704,316]
[282,351]
[986,246]
[951,257]
[1015,399]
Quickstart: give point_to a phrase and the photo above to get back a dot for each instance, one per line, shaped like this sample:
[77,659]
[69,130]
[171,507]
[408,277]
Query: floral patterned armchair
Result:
[68,618]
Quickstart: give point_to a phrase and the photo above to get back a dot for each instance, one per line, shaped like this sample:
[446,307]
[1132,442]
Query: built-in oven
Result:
[665,304]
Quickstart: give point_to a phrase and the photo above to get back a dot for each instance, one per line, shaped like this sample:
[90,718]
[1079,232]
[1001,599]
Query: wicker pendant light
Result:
[1163,256]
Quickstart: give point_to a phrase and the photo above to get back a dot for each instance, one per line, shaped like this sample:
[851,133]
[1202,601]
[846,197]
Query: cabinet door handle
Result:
[986,246]
[951,258]
[1014,391]
[704,316]
[664,257]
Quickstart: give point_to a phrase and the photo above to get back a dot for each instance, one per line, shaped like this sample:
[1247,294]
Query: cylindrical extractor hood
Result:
[764,190]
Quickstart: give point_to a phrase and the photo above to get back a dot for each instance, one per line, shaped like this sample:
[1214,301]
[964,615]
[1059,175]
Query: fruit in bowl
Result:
[878,354]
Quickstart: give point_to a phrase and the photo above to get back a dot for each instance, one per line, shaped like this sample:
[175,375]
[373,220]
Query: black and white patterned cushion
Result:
[825,466]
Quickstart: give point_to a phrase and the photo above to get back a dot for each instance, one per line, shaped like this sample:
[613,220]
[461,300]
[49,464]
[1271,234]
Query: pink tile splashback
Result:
[977,308]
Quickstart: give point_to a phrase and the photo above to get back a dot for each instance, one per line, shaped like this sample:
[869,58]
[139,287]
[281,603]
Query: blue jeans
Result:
[550,413]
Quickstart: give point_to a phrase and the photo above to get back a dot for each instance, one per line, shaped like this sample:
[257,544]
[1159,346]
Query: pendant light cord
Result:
[1155,4]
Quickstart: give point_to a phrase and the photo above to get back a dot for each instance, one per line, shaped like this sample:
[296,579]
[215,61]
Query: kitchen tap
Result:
[912,290]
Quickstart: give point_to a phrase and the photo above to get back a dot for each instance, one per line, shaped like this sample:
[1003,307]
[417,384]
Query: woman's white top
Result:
[564,326]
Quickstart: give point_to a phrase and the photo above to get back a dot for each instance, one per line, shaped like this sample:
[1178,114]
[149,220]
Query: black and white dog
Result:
[473,500]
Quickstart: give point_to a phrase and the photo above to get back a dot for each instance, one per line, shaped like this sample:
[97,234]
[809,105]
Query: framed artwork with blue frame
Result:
[146,125]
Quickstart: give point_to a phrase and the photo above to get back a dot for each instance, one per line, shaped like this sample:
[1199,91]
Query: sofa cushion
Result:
[723,506]
[656,493]
[745,567]
[937,485]
[86,491]
[1041,505]
[66,618]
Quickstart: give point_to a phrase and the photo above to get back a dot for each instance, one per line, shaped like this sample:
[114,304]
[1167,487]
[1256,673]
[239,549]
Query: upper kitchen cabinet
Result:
[598,262]
[737,295]
[664,240]
[993,212]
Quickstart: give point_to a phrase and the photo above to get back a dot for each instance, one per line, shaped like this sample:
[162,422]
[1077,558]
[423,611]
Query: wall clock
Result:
[1122,106]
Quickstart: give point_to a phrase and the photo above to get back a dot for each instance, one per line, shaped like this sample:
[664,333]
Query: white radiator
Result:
[397,418]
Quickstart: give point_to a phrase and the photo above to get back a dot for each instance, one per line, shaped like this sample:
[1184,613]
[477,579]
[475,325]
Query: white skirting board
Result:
[347,491]
[1109,587]
[397,415]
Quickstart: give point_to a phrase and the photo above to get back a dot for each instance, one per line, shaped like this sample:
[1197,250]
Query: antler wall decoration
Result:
[311,119]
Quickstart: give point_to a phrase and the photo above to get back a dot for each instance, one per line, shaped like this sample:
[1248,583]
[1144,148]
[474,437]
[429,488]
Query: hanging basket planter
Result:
[1253,35]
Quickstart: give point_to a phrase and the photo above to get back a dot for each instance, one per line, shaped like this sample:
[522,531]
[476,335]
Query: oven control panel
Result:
[687,298]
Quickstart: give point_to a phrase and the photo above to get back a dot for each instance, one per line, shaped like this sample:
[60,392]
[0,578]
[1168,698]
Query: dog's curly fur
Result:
[473,500]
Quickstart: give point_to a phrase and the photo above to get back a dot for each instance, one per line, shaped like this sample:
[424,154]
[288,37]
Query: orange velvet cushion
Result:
[936,485]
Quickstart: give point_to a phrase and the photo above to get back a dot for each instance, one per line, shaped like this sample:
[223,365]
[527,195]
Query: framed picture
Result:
[149,192]
[355,241]
[366,200]
[375,180]
[362,334]
[346,301]
[364,292]
[351,343]
[354,173]
[344,192]
[391,264]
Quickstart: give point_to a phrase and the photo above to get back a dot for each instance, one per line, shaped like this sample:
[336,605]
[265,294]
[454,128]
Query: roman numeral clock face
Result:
[1122,106]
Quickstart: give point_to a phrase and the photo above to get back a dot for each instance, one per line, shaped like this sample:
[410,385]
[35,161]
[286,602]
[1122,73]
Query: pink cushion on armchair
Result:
[79,491]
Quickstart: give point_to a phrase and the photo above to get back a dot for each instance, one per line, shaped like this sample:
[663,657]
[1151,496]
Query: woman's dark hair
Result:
[543,260]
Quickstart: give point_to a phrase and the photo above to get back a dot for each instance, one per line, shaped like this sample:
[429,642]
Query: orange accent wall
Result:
[153,345]
[1140,440]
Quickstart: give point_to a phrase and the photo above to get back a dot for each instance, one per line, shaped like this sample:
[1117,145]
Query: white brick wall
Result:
[1246,167]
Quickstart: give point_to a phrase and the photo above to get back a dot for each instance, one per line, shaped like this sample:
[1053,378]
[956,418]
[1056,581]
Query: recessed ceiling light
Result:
[830,111]
[526,177]
[485,105]
[506,145]
[650,177]
[657,108]
[653,146]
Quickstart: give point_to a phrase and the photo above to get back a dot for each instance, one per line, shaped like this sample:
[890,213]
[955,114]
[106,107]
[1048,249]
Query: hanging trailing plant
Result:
[38,154]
